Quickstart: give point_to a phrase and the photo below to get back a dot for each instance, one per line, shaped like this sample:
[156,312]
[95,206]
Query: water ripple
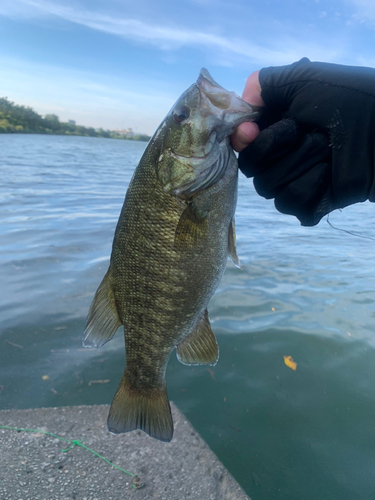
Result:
[304,292]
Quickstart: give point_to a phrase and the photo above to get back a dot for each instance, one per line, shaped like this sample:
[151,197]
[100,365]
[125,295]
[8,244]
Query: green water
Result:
[304,292]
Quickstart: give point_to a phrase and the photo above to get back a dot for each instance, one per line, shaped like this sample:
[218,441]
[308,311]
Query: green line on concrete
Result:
[74,442]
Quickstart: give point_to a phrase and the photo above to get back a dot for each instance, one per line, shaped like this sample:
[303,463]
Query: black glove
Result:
[316,148]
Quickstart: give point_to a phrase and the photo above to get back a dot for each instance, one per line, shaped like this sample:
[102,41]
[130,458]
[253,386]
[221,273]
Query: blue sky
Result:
[118,64]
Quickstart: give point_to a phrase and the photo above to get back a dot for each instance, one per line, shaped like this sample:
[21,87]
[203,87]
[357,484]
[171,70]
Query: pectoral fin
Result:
[232,250]
[103,320]
[200,346]
[191,227]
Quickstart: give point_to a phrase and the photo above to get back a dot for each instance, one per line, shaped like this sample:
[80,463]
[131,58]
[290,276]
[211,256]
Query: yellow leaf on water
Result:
[288,360]
[45,377]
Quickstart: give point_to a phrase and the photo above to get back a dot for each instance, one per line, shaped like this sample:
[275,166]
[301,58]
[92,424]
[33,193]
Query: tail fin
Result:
[146,410]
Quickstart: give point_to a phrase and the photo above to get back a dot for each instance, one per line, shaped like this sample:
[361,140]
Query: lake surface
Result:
[308,293]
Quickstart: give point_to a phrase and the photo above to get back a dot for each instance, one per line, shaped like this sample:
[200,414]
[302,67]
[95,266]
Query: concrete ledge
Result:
[32,465]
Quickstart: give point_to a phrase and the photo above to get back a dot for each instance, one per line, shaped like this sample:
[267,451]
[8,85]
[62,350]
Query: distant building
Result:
[128,132]
[72,122]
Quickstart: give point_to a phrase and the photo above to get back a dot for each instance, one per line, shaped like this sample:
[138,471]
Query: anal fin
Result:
[102,320]
[148,410]
[232,250]
[200,346]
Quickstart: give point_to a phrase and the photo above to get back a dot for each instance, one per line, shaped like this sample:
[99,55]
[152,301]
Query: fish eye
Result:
[181,114]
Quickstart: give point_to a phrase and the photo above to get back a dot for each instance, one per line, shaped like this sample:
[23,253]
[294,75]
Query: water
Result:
[304,292]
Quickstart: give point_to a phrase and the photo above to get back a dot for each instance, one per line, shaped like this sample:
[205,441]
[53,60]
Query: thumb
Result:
[248,131]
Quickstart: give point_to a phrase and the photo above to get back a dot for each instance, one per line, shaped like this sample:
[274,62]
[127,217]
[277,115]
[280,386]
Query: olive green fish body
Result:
[170,249]
[161,283]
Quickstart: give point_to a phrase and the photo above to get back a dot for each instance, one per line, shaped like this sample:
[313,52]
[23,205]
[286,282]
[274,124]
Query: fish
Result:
[170,248]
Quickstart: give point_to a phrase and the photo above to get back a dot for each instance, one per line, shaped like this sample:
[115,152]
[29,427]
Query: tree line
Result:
[15,118]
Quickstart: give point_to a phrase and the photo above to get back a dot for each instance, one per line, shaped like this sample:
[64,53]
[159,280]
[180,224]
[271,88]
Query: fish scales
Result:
[170,248]
[157,308]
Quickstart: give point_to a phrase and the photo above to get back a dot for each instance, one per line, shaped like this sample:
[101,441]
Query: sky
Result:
[117,64]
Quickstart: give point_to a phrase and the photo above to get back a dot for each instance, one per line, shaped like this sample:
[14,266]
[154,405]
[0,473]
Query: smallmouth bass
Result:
[175,232]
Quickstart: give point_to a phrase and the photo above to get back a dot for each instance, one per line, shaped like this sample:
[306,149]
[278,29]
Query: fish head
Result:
[194,136]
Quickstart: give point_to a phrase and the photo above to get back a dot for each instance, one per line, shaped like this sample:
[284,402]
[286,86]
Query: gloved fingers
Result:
[272,143]
[312,150]
[280,84]
[309,197]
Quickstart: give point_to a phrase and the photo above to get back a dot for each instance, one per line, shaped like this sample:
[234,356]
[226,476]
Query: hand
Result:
[247,132]
[315,149]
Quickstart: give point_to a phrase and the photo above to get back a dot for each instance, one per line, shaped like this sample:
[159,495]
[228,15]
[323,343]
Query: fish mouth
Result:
[228,108]
[217,112]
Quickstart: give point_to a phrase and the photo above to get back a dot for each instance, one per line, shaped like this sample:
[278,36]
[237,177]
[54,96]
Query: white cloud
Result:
[169,38]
